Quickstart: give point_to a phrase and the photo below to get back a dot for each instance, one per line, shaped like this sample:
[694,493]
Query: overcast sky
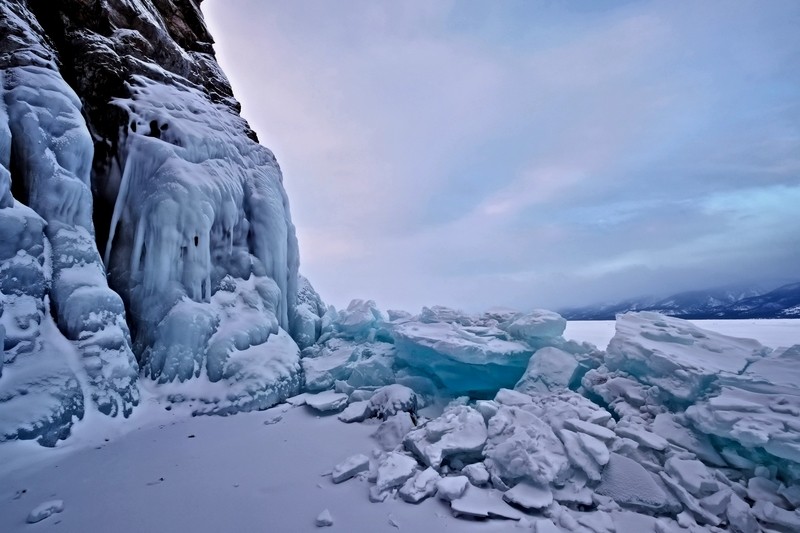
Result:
[526,153]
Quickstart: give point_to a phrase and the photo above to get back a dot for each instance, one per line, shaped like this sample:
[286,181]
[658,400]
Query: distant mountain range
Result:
[783,302]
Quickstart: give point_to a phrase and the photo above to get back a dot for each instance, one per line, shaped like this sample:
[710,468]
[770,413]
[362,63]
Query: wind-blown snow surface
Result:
[536,460]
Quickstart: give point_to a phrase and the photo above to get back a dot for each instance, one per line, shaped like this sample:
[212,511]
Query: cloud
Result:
[529,154]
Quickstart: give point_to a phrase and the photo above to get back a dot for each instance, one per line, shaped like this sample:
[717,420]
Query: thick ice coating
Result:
[50,261]
[190,211]
[200,209]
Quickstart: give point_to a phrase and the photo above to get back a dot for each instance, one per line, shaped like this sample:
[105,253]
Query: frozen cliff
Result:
[143,229]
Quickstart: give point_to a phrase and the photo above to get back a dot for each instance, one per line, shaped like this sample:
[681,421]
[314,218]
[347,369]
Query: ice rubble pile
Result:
[439,349]
[672,428]
[198,283]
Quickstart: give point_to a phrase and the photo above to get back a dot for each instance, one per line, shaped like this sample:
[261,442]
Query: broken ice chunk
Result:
[355,412]
[484,503]
[394,470]
[521,446]
[477,474]
[350,467]
[421,486]
[675,355]
[549,370]
[589,428]
[689,501]
[460,431]
[740,517]
[762,489]
[578,457]
[643,437]
[392,430]
[529,496]
[536,326]
[669,427]
[327,401]
[451,488]
[324,519]
[630,485]
[392,399]
[693,475]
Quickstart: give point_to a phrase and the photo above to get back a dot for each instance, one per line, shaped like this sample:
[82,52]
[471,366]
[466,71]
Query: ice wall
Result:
[200,208]
[50,261]
[120,136]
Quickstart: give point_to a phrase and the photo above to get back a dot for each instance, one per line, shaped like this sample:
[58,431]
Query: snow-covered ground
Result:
[164,471]
[213,474]
[772,333]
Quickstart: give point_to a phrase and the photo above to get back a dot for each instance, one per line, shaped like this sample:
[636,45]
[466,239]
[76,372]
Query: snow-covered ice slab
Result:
[350,467]
[676,356]
[529,496]
[484,503]
[459,432]
[463,362]
[327,401]
[452,487]
[357,364]
[394,469]
[759,408]
[392,399]
[630,485]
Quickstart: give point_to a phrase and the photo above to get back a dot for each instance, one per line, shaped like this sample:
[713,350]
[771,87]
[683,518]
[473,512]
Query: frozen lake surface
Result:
[772,333]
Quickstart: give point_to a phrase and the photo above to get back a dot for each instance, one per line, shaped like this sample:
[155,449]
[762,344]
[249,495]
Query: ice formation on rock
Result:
[200,210]
[50,261]
[171,186]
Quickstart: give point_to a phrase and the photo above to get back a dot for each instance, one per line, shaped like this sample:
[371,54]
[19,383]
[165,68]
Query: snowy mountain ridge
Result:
[727,303]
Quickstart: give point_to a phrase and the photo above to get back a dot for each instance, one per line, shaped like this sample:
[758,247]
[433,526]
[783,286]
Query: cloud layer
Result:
[526,154]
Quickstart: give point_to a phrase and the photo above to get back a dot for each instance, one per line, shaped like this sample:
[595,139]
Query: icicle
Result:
[138,243]
[119,205]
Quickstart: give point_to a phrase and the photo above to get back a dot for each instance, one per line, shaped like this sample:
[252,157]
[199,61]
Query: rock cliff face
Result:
[143,228]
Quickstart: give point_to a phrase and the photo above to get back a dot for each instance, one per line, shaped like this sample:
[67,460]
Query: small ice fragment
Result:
[327,401]
[324,519]
[350,467]
[43,510]
[452,488]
